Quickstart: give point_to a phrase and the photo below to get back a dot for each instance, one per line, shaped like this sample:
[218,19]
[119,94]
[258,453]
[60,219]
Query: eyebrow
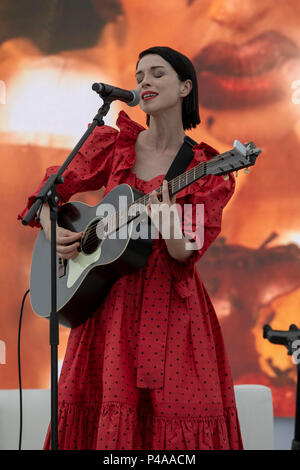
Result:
[151,68]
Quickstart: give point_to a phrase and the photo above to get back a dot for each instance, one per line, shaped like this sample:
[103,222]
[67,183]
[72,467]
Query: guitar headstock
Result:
[241,156]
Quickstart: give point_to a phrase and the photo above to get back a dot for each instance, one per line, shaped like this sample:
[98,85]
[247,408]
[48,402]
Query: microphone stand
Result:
[288,338]
[49,194]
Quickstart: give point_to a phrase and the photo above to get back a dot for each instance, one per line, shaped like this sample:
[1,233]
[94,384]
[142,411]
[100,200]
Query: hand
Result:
[67,242]
[155,207]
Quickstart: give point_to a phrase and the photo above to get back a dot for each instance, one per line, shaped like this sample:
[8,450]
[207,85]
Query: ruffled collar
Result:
[127,137]
[129,129]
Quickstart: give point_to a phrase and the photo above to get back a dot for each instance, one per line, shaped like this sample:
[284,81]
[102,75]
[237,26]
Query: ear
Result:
[185,88]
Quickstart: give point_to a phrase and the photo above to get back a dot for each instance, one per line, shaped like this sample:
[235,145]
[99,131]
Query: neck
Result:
[165,133]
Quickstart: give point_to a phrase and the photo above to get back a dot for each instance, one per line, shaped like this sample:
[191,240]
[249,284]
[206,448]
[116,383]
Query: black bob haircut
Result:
[185,71]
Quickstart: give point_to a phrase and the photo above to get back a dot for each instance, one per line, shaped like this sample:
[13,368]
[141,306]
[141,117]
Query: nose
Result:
[238,15]
[145,82]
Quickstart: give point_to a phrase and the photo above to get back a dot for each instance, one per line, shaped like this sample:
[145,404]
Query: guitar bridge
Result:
[62,267]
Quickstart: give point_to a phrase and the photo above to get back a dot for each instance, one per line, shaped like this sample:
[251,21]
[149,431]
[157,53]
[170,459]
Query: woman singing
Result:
[149,370]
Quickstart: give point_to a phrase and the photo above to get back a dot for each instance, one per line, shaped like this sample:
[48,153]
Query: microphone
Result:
[131,97]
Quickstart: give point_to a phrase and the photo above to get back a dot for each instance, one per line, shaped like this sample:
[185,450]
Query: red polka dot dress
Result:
[149,369]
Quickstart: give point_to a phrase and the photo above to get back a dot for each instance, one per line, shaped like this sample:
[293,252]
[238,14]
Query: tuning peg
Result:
[247,170]
[226,177]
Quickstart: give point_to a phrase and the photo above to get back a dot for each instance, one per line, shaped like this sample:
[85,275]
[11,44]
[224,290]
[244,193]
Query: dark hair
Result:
[56,25]
[185,71]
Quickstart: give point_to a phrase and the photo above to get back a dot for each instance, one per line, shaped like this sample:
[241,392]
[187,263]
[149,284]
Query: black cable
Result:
[19,369]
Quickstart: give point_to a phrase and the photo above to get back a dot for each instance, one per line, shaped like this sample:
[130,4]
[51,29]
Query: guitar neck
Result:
[184,180]
[241,156]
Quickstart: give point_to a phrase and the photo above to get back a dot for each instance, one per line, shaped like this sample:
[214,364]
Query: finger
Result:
[151,204]
[71,255]
[173,199]
[151,208]
[68,255]
[67,233]
[154,197]
[67,249]
[63,239]
[165,192]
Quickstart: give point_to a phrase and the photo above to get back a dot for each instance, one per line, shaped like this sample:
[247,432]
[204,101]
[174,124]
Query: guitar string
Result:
[92,238]
[102,222]
[197,172]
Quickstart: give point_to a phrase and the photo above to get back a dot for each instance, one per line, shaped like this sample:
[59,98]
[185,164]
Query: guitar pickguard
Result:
[79,264]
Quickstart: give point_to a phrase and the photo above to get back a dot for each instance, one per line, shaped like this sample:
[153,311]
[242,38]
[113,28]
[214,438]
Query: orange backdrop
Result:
[247,59]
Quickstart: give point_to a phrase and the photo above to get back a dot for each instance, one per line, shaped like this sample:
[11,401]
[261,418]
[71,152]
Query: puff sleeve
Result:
[213,194]
[88,171]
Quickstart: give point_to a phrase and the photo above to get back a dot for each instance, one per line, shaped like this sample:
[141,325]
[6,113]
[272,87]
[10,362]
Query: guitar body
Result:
[106,255]
[83,283]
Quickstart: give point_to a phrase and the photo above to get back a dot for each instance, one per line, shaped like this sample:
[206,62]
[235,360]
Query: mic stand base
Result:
[295,445]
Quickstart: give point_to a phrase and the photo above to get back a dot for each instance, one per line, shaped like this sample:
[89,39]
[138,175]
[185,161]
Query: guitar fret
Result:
[188,177]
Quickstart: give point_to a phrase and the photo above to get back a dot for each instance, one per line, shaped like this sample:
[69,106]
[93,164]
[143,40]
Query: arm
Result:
[175,241]
[88,171]
[67,241]
[177,249]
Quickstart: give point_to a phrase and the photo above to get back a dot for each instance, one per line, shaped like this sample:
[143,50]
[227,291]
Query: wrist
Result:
[45,216]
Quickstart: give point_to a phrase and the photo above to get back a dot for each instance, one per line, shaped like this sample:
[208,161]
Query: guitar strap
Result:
[178,166]
[182,159]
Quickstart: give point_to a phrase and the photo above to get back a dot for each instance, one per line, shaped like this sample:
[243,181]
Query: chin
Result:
[263,124]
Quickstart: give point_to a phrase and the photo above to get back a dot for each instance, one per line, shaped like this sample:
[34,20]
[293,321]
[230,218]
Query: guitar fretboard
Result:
[177,184]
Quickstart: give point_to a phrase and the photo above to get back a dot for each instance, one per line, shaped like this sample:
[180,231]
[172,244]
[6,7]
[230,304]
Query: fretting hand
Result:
[166,220]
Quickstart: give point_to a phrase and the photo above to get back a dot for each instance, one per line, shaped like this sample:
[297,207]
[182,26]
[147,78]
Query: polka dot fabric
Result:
[149,369]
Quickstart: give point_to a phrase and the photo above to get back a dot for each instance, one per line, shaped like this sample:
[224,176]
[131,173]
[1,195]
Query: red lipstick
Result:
[234,76]
[149,92]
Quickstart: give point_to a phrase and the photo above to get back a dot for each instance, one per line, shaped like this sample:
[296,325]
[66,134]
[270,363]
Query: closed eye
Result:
[139,80]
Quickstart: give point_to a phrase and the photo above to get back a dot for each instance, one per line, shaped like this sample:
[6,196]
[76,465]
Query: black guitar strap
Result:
[178,166]
[182,159]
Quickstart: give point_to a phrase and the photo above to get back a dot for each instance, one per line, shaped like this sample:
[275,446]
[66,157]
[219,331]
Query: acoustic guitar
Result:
[117,240]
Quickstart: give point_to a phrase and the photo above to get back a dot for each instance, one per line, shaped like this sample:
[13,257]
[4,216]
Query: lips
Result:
[234,76]
[149,92]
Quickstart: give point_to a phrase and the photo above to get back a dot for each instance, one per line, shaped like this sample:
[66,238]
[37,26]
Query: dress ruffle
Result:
[119,426]
[89,169]
[148,336]
[125,159]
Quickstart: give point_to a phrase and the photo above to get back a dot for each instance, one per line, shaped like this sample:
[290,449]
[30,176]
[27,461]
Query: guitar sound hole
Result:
[90,241]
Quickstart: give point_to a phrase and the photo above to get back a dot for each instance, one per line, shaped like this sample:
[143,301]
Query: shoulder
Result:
[105,133]
[126,134]
[210,183]
[203,151]
[129,129]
